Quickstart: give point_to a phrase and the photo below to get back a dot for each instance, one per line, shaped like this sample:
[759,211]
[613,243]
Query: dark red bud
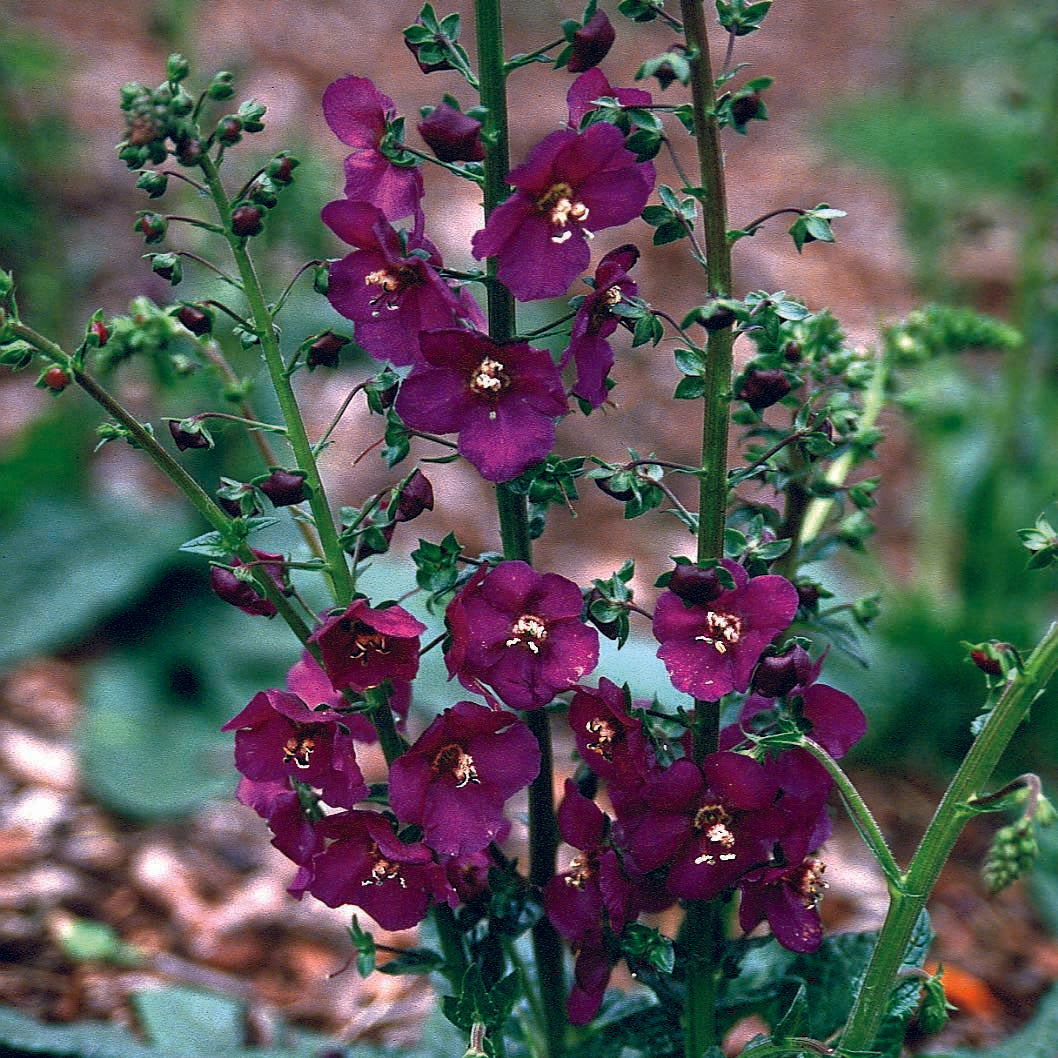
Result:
[239,593]
[152,226]
[189,151]
[695,585]
[778,674]
[985,663]
[195,319]
[745,108]
[763,388]
[808,595]
[281,168]
[606,485]
[591,43]
[284,487]
[56,379]
[792,352]
[246,220]
[99,329]
[325,350]
[451,135]
[719,318]
[427,67]
[609,629]
[229,130]
[415,497]
[186,439]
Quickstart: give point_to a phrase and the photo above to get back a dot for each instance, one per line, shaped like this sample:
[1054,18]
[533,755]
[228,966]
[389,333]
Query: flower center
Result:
[489,379]
[581,868]
[366,640]
[561,208]
[298,749]
[712,820]
[384,870]
[455,761]
[604,734]
[722,630]
[808,882]
[392,282]
[528,631]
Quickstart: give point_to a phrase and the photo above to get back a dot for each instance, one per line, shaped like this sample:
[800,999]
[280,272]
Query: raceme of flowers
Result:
[681,826]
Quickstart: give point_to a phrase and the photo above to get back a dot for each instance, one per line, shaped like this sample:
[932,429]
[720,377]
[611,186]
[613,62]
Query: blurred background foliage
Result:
[966,135]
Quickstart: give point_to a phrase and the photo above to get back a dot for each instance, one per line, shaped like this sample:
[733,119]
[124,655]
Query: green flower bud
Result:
[229,130]
[177,67]
[152,226]
[155,184]
[250,114]
[222,86]
[167,265]
[281,169]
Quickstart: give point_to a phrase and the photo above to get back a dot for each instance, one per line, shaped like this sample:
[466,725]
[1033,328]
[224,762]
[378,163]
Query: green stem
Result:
[704,926]
[513,516]
[337,569]
[872,999]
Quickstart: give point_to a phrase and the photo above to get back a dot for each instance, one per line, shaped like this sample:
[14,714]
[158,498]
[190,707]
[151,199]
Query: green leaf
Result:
[691,387]
[655,1031]
[171,1017]
[1035,1040]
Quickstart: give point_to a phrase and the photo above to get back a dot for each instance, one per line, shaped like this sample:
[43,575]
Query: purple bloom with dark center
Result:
[594,323]
[367,865]
[610,741]
[360,116]
[711,649]
[572,185]
[455,780]
[592,85]
[278,737]
[389,286]
[520,632]
[363,647]
[788,897]
[710,824]
[502,400]
[452,135]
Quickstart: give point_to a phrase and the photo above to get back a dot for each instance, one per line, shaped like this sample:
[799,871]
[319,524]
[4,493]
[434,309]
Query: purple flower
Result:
[592,85]
[367,865]
[710,824]
[452,135]
[609,741]
[456,778]
[360,116]
[502,400]
[594,323]
[520,632]
[389,286]
[277,802]
[362,647]
[591,43]
[573,184]
[788,897]
[710,649]
[278,737]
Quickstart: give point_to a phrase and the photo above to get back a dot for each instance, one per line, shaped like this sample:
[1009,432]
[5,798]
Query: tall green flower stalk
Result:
[514,532]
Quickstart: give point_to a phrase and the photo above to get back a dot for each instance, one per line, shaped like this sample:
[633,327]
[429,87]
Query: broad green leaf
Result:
[175,1018]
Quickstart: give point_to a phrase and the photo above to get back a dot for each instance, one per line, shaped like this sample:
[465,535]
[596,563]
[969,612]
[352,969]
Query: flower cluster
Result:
[502,400]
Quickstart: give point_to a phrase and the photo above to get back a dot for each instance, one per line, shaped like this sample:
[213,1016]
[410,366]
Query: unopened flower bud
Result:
[611,629]
[155,184]
[414,498]
[98,330]
[246,220]
[745,108]
[152,226]
[591,43]
[761,388]
[325,351]
[189,433]
[56,379]
[221,86]
[177,67]
[168,266]
[237,499]
[427,49]
[188,151]
[452,135]
[229,130]
[195,319]
[695,585]
[778,674]
[281,168]
[284,487]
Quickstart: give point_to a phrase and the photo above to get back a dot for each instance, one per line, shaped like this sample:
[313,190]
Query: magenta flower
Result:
[278,737]
[594,323]
[611,743]
[389,286]
[456,778]
[572,185]
[788,897]
[361,117]
[591,43]
[710,649]
[520,632]
[367,865]
[279,804]
[502,400]
[363,647]
[592,85]
[710,824]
